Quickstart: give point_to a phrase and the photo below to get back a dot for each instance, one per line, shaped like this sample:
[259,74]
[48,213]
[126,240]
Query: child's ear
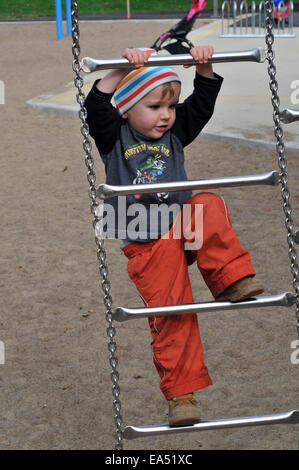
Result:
[124,116]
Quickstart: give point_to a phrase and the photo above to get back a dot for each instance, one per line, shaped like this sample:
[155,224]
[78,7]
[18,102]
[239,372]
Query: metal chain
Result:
[101,253]
[282,161]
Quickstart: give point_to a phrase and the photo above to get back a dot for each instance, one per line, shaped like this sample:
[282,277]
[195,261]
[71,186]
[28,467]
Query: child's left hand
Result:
[202,54]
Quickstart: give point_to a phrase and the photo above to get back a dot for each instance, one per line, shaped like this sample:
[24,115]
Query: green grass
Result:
[37,8]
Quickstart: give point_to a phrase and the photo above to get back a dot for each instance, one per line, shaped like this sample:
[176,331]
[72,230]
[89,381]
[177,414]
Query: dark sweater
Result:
[132,158]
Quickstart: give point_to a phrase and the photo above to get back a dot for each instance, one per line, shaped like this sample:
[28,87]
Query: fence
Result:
[248,21]
[58,11]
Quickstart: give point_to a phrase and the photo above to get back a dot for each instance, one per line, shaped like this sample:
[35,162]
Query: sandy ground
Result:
[55,389]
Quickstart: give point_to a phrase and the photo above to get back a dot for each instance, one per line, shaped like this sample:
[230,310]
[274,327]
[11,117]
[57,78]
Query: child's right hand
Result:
[137,57]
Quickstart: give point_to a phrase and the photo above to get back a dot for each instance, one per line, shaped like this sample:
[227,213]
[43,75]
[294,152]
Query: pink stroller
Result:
[174,40]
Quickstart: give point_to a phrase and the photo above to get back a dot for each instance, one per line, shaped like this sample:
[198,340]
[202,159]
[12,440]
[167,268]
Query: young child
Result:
[142,141]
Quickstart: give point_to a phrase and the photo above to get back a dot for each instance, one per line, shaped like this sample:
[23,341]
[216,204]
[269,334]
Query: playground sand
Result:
[55,385]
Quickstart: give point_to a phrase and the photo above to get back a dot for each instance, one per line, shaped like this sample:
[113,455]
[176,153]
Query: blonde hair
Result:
[167,88]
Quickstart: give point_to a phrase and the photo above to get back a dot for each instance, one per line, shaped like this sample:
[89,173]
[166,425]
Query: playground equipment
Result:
[58,11]
[253,55]
[120,314]
[241,20]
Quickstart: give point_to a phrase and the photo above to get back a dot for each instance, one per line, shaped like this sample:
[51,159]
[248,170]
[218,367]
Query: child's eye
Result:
[155,106]
[172,106]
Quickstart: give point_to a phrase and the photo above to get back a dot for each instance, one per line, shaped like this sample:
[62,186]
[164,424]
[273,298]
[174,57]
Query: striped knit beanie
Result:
[139,83]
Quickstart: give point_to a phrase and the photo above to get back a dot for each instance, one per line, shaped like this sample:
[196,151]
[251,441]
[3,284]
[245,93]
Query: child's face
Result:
[154,114]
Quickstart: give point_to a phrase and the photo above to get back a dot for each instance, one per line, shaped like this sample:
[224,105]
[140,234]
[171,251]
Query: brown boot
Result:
[241,290]
[183,411]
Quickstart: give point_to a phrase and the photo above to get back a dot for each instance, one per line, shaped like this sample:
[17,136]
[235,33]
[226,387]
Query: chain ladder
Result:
[91,177]
[101,253]
[282,161]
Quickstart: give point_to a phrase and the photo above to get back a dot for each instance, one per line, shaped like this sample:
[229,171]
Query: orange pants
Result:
[159,269]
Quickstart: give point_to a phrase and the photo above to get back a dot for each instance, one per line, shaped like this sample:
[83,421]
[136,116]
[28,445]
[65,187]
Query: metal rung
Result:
[271,178]
[89,64]
[290,417]
[286,299]
[289,115]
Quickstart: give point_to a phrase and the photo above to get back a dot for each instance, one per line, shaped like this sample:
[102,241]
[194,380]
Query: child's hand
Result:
[202,54]
[137,57]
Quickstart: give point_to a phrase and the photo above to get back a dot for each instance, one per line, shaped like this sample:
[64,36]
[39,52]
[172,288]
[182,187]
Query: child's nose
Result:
[165,113]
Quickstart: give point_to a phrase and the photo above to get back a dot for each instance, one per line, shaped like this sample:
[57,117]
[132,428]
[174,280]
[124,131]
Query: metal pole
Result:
[291,417]
[271,178]
[215,9]
[289,115]
[128,10]
[58,10]
[286,299]
[90,64]
[68,17]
